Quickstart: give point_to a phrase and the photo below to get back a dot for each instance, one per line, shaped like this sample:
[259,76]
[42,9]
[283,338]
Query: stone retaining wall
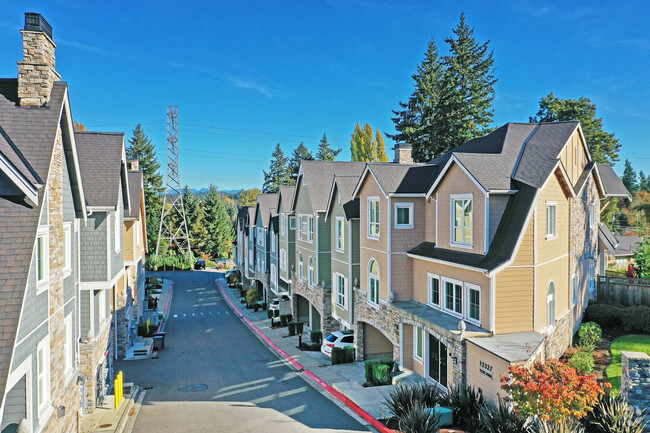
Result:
[635,381]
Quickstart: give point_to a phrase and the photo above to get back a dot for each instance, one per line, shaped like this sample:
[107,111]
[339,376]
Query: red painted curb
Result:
[374,422]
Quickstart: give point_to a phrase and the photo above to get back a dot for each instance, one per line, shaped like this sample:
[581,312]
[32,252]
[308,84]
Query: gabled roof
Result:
[607,238]
[135,194]
[265,202]
[627,245]
[285,196]
[395,179]
[103,166]
[242,214]
[612,184]
[345,186]
[317,176]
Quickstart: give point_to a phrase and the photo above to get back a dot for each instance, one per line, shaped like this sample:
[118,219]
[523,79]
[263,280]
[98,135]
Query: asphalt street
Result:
[214,375]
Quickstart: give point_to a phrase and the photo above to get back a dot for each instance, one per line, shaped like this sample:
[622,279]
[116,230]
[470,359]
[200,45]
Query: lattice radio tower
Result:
[173,224]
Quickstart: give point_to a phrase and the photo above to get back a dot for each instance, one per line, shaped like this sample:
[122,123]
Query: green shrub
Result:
[568,425]
[368,368]
[381,374]
[501,419]
[311,347]
[613,415]
[636,319]
[466,402]
[146,329]
[316,337]
[582,361]
[291,328]
[269,313]
[338,357]
[299,327]
[590,335]
[389,362]
[256,307]
[605,315]
[252,296]
[285,319]
[349,353]
[419,419]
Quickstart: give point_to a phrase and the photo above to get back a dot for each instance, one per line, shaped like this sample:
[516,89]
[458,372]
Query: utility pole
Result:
[173,233]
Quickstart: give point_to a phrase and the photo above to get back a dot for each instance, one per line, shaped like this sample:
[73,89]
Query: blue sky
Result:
[247,75]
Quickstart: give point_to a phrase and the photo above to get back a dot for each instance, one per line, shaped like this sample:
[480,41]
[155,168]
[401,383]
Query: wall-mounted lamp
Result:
[454,360]
[396,327]
[60,411]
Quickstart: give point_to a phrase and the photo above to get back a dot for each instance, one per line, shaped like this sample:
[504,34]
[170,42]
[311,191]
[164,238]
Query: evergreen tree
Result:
[325,152]
[248,197]
[141,148]
[629,177]
[603,146]
[299,153]
[365,146]
[381,148]
[278,173]
[643,182]
[219,226]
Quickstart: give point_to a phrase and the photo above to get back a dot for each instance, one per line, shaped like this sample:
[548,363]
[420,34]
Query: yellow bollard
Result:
[117,399]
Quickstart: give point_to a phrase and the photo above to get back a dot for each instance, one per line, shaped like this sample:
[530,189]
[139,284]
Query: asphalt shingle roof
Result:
[612,184]
[266,202]
[346,186]
[285,194]
[405,178]
[100,159]
[318,176]
[135,193]
[627,245]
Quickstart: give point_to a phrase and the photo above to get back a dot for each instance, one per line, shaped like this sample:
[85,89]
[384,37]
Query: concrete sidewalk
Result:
[107,419]
[345,378]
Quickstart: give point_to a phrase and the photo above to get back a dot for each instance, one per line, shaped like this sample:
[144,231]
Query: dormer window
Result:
[462,218]
[551,220]
[403,215]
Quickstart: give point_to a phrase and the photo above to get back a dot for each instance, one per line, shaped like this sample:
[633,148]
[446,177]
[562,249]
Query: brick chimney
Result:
[135,164]
[403,153]
[36,73]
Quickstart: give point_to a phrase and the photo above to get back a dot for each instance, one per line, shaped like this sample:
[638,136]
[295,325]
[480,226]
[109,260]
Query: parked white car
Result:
[336,339]
[282,304]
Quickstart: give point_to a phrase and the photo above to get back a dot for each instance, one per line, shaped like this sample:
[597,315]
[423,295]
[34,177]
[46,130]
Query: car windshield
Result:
[331,338]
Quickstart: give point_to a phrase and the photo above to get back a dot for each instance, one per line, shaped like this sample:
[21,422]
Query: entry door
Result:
[437,361]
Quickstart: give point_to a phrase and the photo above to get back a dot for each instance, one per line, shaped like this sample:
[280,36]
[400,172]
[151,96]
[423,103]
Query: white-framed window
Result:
[292,223]
[373,282]
[434,290]
[283,260]
[473,303]
[272,241]
[403,215]
[306,231]
[274,276]
[373,217]
[310,272]
[340,234]
[592,216]
[117,228]
[453,293]
[418,343]
[575,288]
[42,259]
[301,270]
[67,248]
[551,220]
[462,219]
[550,305]
[69,348]
[101,306]
[341,290]
[260,236]
[43,375]
[283,223]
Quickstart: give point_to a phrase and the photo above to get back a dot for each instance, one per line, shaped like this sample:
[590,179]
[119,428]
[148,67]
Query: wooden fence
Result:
[626,291]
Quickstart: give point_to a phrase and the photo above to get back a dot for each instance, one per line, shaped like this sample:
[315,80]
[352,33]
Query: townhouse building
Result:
[261,225]
[42,209]
[483,258]
[312,278]
[286,239]
[343,214]
[240,247]
[274,255]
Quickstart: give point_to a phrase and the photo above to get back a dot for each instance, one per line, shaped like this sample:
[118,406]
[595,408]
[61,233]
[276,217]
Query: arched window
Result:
[310,269]
[550,305]
[373,282]
[301,273]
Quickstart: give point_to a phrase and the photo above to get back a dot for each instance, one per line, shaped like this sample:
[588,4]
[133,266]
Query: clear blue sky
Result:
[246,75]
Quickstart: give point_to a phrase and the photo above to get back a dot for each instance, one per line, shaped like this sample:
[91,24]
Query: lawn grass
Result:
[629,343]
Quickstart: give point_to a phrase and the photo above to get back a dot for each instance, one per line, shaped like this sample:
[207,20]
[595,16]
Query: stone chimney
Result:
[135,165]
[403,153]
[36,73]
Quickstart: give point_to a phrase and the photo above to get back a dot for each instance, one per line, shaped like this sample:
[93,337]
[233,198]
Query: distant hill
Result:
[204,190]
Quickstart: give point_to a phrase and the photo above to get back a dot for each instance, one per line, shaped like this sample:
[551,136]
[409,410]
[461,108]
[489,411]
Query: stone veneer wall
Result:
[91,356]
[385,318]
[559,339]
[263,278]
[36,73]
[635,381]
[62,394]
[320,298]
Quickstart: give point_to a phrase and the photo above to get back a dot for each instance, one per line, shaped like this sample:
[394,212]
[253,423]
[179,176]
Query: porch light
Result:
[454,360]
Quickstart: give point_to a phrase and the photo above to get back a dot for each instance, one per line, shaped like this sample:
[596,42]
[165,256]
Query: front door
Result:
[437,361]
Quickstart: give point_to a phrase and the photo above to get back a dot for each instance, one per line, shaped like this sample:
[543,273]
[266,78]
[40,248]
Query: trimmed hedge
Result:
[291,328]
[349,353]
[632,319]
[636,319]
[381,374]
[338,356]
[285,319]
[368,367]
[316,337]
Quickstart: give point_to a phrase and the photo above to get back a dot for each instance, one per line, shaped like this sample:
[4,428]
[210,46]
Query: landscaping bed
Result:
[630,343]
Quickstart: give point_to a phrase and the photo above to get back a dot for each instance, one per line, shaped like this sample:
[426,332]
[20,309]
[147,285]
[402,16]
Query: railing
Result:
[626,291]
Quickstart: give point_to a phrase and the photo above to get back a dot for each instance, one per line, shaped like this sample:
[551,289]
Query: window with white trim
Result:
[550,305]
[292,223]
[310,271]
[551,220]
[434,290]
[453,296]
[592,216]
[301,274]
[373,282]
[274,276]
[283,223]
[272,241]
[418,343]
[67,248]
[592,278]
[340,234]
[260,236]
[117,228]
[69,349]
[283,260]
[373,217]
[42,258]
[462,219]
[306,230]
[43,374]
[403,215]
[473,302]
[575,288]
[341,290]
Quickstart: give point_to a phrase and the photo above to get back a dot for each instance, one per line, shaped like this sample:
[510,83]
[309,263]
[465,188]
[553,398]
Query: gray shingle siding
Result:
[117,260]
[34,311]
[498,204]
[28,346]
[85,312]
[93,248]
[15,407]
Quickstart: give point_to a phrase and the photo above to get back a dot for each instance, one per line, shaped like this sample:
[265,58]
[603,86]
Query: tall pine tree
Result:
[629,177]
[299,153]
[141,148]
[278,173]
[644,182]
[218,224]
[325,152]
